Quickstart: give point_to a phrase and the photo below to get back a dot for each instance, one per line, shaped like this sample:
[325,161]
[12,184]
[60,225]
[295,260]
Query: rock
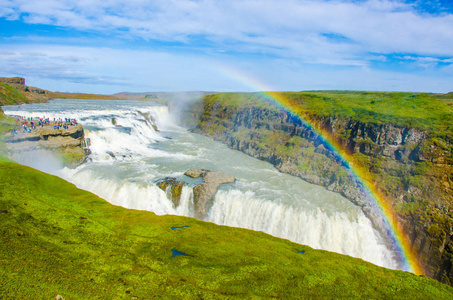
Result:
[150,120]
[68,143]
[215,177]
[173,188]
[203,194]
[195,173]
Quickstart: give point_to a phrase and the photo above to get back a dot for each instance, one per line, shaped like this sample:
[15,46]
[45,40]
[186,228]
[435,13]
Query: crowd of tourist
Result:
[30,123]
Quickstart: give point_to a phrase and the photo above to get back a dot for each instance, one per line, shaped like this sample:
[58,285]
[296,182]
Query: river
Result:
[128,156]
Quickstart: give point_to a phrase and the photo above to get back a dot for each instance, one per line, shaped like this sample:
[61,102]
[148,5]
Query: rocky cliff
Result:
[67,143]
[411,166]
[26,93]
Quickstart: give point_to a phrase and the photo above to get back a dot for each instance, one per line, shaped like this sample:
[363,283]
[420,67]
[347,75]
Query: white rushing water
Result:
[129,155]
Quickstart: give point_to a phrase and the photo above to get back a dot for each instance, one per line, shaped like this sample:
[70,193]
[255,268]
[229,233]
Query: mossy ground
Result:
[56,239]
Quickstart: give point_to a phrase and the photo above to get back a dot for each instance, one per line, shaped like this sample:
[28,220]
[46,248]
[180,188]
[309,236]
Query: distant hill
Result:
[61,95]
[163,97]
[14,91]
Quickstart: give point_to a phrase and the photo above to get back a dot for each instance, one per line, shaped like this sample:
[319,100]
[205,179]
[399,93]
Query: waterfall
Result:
[335,232]
[134,144]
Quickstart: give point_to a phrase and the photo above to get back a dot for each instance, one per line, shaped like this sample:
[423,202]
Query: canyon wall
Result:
[411,167]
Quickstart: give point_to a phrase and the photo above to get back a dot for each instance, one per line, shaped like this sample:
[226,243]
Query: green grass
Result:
[6,124]
[57,239]
[10,95]
[408,109]
[416,110]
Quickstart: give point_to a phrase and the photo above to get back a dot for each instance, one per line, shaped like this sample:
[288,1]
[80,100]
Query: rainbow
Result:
[361,175]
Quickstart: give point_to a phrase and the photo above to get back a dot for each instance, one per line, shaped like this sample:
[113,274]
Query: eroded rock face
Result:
[150,119]
[67,142]
[173,189]
[203,194]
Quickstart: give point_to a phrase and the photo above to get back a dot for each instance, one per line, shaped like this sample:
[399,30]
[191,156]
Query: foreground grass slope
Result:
[57,239]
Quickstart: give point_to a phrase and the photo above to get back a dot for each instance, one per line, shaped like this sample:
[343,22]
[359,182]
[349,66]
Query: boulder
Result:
[173,188]
[195,173]
[203,194]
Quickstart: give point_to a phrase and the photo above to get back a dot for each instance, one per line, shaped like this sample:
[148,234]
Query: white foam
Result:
[315,228]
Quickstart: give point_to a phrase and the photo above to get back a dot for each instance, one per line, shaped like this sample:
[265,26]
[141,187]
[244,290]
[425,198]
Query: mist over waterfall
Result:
[134,144]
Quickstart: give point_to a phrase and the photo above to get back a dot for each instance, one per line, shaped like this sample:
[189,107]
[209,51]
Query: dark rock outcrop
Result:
[13,80]
[203,194]
[173,188]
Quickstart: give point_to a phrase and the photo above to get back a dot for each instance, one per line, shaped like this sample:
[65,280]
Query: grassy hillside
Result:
[10,95]
[59,95]
[56,239]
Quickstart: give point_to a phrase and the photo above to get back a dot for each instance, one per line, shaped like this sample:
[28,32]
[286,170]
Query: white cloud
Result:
[294,44]
[372,26]
[106,70]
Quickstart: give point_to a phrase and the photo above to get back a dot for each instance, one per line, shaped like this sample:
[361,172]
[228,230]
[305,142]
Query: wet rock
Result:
[173,189]
[195,173]
[69,143]
[150,120]
[203,194]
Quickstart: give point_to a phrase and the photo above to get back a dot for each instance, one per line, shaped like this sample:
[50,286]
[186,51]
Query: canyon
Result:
[412,167]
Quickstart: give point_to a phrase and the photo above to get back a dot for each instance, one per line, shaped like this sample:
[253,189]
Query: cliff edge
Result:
[64,139]
[14,91]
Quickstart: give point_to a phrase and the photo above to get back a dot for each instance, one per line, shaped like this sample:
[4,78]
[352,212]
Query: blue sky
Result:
[111,46]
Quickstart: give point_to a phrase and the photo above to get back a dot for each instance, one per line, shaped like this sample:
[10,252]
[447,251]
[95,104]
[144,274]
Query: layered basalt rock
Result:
[172,188]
